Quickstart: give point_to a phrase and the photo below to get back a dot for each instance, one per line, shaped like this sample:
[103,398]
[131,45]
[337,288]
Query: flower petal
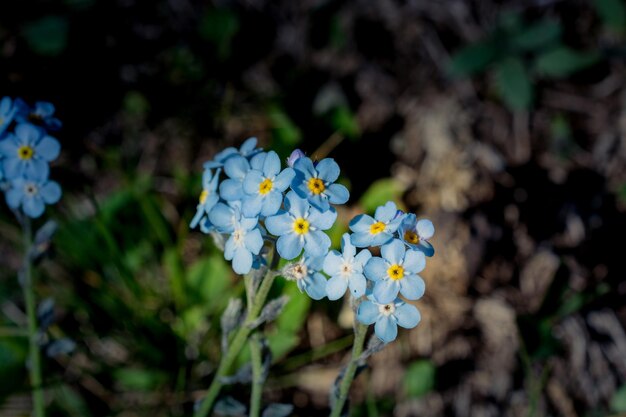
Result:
[236,167]
[254,241]
[337,194]
[328,170]
[279,224]
[272,203]
[407,315]
[231,189]
[50,192]
[393,251]
[271,166]
[357,284]
[316,243]
[323,220]
[296,205]
[316,286]
[252,181]
[347,247]
[242,261]
[412,287]
[336,287]
[425,228]
[305,166]
[289,246]
[387,212]
[282,180]
[386,291]
[48,148]
[414,261]
[367,312]
[222,217]
[386,329]
[332,262]
[361,223]
[33,206]
[376,268]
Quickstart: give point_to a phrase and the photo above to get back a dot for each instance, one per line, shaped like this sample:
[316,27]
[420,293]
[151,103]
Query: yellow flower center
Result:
[411,237]
[301,226]
[316,186]
[25,152]
[266,186]
[203,196]
[377,227]
[395,272]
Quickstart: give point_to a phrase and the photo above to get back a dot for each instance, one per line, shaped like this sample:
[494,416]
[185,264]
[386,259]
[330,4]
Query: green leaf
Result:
[563,61]
[47,36]
[139,379]
[219,26]
[612,13]
[344,121]
[539,35]
[381,191]
[419,378]
[207,279]
[473,59]
[618,402]
[514,84]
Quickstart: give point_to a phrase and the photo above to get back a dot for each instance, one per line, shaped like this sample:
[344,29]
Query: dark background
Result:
[502,121]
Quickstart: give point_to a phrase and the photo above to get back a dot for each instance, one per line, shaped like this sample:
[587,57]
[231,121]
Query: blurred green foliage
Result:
[612,13]
[48,35]
[419,378]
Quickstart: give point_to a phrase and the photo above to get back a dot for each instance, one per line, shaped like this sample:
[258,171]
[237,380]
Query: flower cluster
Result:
[26,150]
[249,200]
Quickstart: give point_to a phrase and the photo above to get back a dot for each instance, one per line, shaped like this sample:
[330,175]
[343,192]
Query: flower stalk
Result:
[256,356]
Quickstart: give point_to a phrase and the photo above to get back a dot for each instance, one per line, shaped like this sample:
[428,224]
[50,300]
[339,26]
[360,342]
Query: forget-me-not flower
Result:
[32,195]
[42,114]
[346,270]
[27,153]
[306,273]
[245,238]
[264,187]
[316,183]
[396,271]
[7,112]
[236,169]
[248,149]
[301,226]
[415,234]
[378,230]
[388,316]
[208,197]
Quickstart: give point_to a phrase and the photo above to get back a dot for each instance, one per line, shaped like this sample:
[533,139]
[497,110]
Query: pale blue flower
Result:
[208,197]
[42,114]
[388,316]
[378,230]
[415,234]
[236,168]
[31,195]
[301,226]
[307,276]
[248,149]
[295,155]
[316,183]
[27,153]
[396,271]
[7,113]
[346,270]
[264,187]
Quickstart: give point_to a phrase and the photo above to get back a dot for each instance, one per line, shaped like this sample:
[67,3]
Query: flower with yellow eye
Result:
[264,187]
[415,234]
[208,197]
[396,272]
[316,183]
[388,316]
[301,226]
[27,153]
[377,230]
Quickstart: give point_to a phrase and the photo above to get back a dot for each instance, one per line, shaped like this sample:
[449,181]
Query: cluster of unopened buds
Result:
[249,202]
[26,150]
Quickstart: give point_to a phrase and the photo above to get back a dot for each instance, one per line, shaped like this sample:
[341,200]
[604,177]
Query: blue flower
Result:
[415,234]
[376,231]
[27,153]
[307,276]
[396,272]
[208,197]
[316,183]
[300,227]
[41,115]
[388,317]
[248,149]
[295,155]
[345,269]
[245,238]
[32,195]
[264,187]
[7,112]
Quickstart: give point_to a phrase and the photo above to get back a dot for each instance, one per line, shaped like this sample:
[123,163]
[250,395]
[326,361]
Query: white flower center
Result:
[30,189]
[345,270]
[387,309]
[238,236]
[299,270]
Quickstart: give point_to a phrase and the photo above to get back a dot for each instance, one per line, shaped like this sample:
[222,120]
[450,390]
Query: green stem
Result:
[257,375]
[239,340]
[34,369]
[344,388]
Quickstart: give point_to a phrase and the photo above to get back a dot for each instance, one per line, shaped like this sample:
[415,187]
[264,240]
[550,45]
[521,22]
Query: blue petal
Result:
[296,205]
[257,161]
[407,315]
[409,221]
[337,194]
[361,223]
[222,217]
[13,168]
[248,146]
[14,196]
[48,148]
[381,239]
[316,286]
[252,182]
[229,249]
[252,205]
[298,185]
[426,248]
[393,225]
[357,285]
[386,329]
[316,243]
[289,246]
[412,287]
[305,166]
[272,203]
[254,241]
[362,258]
[282,181]
[231,190]
[386,291]
[271,166]
[328,170]
[425,229]
[36,169]
[242,261]
[27,134]
[236,167]
[197,217]
[315,263]
[323,221]
[393,251]
[361,239]
[376,269]
[33,206]
[44,109]
[9,146]
[50,192]
[387,212]
[347,247]
[336,287]
[414,261]
[279,224]
[367,312]
[319,201]
[248,223]
[332,262]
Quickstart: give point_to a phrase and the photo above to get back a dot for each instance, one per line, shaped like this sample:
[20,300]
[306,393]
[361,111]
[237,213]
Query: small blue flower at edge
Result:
[316,183]
[32,195]
[245,238]
[7,113]
[264,187]
[415,234]
[209,196]
[388,317]
[41,114]
[396,271]
[301,226]
[27,153]
[346,270]
[378,230]
[307,276]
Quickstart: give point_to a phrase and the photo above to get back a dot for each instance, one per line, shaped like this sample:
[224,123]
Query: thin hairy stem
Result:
[257,374]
